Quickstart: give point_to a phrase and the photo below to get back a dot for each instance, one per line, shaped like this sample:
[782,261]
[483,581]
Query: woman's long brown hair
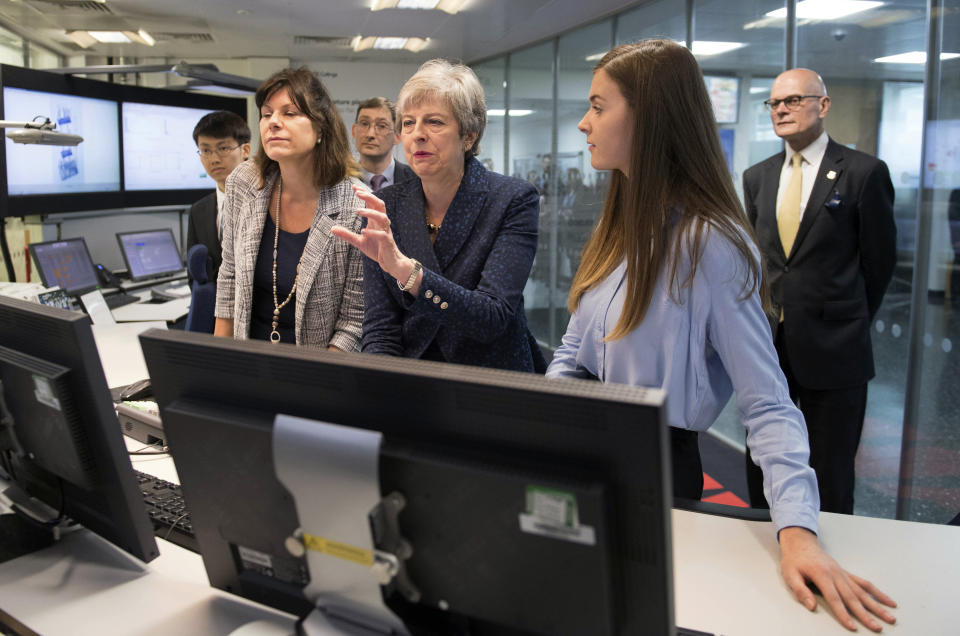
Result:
[679,187]
[332,160]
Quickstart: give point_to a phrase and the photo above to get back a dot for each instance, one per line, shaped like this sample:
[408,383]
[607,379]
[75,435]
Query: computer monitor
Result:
[150,254]
[464,446]
[60,442]
[158,148]
[65,264]
[91,166]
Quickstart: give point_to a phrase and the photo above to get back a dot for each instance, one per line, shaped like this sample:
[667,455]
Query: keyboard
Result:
[168,512]
[119,300]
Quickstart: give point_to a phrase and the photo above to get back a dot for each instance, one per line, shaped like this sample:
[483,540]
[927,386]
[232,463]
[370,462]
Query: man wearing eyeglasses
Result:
[223,143]
[823,216]
[374,135]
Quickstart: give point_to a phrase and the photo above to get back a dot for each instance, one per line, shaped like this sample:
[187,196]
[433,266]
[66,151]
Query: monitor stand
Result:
[19,536]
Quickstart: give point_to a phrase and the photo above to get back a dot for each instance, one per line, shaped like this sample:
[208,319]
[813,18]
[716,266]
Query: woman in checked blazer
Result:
[284,278]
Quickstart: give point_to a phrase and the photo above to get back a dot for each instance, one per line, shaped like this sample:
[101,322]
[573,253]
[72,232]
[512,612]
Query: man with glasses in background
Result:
[223,143]
[375,135]
[823,216]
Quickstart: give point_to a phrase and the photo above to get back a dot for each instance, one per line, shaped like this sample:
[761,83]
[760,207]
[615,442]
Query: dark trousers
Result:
[834,424]
[685,460]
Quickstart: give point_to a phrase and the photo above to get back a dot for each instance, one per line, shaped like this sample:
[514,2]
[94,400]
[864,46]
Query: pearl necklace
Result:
[274,334]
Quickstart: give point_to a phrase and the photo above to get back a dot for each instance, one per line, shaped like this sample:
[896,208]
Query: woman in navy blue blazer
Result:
[449,251]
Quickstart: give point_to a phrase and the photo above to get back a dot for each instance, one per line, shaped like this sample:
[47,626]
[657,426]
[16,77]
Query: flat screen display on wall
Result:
[91,166]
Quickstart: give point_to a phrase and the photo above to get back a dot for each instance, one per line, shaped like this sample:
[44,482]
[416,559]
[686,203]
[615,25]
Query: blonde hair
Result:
[679,190]
[455,85]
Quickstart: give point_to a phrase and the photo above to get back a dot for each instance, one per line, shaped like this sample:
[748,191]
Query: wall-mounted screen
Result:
[158,148]
[724,95]
[91,166]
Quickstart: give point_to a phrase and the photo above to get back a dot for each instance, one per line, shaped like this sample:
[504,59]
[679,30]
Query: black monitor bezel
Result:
[195,374]
[126,261]
[79,291]
[114,509]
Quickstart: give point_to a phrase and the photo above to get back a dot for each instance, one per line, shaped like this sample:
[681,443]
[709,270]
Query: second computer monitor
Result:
[150,254]
[65,264]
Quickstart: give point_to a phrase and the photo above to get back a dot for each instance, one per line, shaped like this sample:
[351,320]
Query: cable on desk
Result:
[173,525]
[161,450]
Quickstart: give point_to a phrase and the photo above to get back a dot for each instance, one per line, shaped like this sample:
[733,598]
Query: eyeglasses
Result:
[220,151]
[792,102]
[381,128]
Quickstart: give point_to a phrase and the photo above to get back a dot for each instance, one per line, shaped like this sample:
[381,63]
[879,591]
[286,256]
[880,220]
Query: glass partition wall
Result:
[885,101]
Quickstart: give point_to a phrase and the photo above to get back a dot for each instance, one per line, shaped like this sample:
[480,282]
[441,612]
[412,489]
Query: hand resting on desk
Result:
[802,560]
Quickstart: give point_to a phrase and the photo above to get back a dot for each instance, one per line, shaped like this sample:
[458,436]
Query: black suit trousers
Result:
[834,423]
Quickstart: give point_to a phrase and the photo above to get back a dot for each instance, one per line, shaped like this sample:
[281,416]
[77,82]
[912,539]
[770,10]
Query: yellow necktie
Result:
[788,221]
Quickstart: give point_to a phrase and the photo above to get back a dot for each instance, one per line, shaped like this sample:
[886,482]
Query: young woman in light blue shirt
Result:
[669,294]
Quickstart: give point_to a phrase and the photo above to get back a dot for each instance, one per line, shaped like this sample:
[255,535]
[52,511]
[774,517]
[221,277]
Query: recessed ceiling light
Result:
[448,6]
[826,9]
[389,43]
[109,37]
[913,57]
[594,57]
[514,112]
[705,48]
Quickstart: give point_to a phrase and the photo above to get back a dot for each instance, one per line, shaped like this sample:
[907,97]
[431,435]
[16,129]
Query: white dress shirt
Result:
[221,196]
[812,157]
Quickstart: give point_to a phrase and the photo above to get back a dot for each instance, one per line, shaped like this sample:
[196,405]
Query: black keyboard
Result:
[119,300]
[167,511]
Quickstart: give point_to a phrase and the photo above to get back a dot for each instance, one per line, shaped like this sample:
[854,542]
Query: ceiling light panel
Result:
[826,10]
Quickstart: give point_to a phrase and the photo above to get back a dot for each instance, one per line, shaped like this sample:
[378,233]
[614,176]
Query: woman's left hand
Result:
[802,560]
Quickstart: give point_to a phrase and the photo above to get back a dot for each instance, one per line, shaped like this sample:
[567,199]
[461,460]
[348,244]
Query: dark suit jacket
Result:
[831,284]
[202,228]
[471,295]
[402,172]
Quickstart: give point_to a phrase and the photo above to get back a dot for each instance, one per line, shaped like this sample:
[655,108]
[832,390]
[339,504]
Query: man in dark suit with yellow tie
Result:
[823,216]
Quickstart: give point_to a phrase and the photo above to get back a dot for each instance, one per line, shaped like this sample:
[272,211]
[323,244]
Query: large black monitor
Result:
[137,148]
[65,264]
[60,441]
[467,448]
[150,254]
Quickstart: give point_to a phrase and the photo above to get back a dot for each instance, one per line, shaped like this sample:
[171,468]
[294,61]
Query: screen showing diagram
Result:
[91,166]
[158,148]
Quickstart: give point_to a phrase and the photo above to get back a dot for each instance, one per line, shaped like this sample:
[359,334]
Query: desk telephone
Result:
[107,278]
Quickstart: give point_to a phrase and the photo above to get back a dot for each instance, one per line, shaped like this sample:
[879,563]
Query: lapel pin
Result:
[832,175]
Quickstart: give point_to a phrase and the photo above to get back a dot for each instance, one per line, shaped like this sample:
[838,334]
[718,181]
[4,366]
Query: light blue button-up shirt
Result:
[700,346]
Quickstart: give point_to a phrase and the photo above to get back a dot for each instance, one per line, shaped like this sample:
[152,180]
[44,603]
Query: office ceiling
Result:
[304,30]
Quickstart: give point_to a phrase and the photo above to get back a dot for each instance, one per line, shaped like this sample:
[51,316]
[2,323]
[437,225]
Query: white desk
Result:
[726,580]
[170,311]
[120,352]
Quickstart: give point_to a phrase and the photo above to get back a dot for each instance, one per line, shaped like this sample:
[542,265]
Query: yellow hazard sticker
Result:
[338,550]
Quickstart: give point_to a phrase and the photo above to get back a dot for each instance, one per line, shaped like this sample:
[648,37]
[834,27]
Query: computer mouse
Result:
[139,390]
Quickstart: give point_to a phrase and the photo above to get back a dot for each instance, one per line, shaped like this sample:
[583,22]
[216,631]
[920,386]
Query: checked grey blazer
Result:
[331,271]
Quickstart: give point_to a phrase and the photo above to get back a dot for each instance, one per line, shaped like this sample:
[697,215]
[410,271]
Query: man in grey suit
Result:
[823,216]
[223,143]
[375,135]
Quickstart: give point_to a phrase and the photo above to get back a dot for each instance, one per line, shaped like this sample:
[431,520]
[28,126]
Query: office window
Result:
[531,142]
[11,48]
[579,189]
[743,45]
[492,76]
[933,480]
[41,57]
[658,19]
[877,107]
